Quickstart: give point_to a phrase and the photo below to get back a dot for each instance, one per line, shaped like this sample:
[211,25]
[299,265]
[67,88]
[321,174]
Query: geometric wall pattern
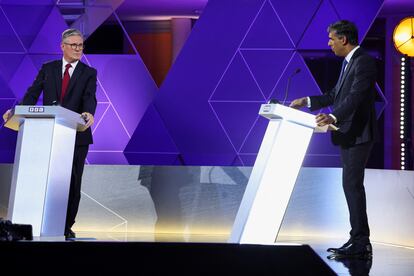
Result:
[237,57]
[228,68]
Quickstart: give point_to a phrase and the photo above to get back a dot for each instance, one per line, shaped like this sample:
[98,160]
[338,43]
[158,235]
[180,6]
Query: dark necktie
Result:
[344,63]
[65,82]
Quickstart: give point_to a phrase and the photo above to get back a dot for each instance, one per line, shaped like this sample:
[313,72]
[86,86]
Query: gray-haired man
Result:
[72,84]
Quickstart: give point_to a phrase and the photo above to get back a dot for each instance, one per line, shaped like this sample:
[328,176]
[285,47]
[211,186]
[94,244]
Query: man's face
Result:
[72,48]
[337,44]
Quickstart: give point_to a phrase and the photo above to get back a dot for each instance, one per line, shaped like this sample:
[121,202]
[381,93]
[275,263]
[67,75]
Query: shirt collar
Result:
[350,54]
[73,64]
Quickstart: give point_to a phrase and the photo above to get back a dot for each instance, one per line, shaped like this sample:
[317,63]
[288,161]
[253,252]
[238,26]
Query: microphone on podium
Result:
[288,83]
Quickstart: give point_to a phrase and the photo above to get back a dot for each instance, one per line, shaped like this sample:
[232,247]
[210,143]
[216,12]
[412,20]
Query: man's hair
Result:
[71,32]
[345,28]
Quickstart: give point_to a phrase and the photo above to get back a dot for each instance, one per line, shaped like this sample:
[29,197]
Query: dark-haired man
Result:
[353,99]
[72,84]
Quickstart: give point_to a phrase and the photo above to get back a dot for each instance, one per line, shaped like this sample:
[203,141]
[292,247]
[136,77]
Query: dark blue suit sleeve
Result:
[34,91]
[318,102]
[89,95]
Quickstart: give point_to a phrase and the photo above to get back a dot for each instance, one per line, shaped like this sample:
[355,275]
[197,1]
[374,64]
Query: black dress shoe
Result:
[69,234]
[355,250]
[335,250]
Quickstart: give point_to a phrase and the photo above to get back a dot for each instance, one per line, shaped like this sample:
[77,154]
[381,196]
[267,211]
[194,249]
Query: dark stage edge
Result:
[156,258]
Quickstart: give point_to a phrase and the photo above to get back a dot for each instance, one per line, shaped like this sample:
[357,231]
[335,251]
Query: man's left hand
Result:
[89,119]
[324,119]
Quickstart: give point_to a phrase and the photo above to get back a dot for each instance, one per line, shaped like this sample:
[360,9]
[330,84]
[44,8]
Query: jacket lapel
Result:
[347,70]
[58,78]
[75,76]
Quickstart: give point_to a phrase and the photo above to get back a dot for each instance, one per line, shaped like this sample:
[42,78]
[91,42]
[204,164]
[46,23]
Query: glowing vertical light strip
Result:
[402,113]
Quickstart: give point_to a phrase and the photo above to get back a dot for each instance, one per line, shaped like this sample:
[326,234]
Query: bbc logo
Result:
[36,109]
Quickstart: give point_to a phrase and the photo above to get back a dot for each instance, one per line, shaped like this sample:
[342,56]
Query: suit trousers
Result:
[354,159]
[79,158]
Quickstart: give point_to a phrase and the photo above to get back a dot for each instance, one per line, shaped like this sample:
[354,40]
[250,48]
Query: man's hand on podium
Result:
[89,119]
[299,103]
[7,115]
[324,119]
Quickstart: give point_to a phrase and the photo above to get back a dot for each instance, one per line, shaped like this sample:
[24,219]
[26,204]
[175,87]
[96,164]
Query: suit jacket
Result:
[353,100]
[80,95]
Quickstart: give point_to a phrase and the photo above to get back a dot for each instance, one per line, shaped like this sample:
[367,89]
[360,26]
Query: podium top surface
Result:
[278,111]
[60,114]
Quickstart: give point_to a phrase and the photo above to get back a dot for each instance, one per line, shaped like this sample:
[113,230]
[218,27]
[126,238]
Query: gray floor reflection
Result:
[194,198]
[357,267]
[164,184]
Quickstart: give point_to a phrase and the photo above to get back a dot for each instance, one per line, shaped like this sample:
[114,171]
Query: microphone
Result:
[288,83]
[273,101]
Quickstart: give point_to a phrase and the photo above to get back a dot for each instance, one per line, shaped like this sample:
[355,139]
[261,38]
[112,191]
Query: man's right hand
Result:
[299,103]
[6,115]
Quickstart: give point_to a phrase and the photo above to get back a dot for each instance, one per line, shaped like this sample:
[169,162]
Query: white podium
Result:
[42,167]
[274,174]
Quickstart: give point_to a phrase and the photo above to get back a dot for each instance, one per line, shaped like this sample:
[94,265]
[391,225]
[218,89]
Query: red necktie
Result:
[65,82]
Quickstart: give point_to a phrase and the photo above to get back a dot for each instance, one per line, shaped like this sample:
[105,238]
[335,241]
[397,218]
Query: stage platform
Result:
[123,206]
[158,254]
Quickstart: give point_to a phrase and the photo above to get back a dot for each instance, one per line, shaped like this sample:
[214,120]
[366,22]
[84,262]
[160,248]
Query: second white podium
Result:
[274,174]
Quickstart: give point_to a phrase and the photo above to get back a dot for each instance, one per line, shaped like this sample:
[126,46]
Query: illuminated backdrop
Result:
[237,57]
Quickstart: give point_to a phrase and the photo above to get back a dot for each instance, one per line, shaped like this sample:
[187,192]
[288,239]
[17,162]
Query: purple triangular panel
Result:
[380,106]
[321,144]
[151,135]
[6,104]
[328,161]
[208,159]
[9,64]
[301,84]
[366,14]
[9,41]
[29,3]
[6,92]
[237,162]
[248,159]
[100,94]
[27,20]
[23,77]
[49,37]
[103,136]
[237,118]
[107,158]
[152,159]
[296,25]
[101,109]
[255,137]
[93,17]
[316,36]
[128,85]
[267,66]
[267,31]
[237,84]
[39,59]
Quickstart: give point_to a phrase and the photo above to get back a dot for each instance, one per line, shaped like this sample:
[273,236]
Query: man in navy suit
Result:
[353,99]
[72,84]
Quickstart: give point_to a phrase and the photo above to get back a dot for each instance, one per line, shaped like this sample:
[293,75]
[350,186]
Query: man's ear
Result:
[344,40]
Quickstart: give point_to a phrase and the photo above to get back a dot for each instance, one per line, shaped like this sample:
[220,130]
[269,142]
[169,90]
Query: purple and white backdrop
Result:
[238,56]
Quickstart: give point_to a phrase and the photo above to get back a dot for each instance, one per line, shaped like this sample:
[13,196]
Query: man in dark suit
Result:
[353,99]
[72,84]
